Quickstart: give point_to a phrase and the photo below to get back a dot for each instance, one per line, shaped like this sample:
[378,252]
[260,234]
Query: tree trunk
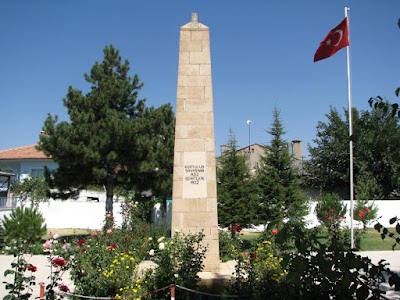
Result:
[109,196]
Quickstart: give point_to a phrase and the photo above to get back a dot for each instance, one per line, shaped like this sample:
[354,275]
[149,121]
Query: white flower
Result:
[150,238]
[151,252]
[176,275]
[161,246]
[160,239]
[56,236]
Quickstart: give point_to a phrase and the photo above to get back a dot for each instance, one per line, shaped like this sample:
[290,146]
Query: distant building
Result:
[254,152]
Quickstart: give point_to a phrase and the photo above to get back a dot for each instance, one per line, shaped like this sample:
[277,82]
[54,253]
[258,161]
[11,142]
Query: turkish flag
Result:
[336,39]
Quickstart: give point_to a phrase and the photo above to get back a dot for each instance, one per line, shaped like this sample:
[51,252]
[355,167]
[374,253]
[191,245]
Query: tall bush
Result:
[331,212]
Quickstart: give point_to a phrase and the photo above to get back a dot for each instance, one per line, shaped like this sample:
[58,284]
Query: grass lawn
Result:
[372,241]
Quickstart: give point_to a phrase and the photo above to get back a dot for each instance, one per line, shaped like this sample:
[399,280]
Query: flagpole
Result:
[346,9]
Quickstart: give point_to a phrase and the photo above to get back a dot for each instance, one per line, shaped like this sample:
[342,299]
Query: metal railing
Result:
[8,202]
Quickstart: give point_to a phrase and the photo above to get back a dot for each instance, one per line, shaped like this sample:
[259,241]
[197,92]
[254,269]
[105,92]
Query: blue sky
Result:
[262,57]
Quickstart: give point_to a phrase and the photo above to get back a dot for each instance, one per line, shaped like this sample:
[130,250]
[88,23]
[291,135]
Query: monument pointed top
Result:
[194,23]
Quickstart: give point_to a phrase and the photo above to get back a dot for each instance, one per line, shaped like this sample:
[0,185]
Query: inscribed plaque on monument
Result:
[194,175]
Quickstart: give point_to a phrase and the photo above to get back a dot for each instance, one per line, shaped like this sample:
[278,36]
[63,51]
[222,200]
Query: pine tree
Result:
[236,187]
[281,197]
[111,134]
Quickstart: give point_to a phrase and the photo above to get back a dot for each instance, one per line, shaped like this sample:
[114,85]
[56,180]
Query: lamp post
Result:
[249,124]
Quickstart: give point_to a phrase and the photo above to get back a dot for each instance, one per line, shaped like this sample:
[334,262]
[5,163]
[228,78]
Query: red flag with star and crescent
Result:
[336,39]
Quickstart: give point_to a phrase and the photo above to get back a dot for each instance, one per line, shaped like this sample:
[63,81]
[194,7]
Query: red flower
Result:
[339,216]
[330,218]
[235,227]
[360,214]
[59,262]
[112,247]
[366,210]
[80,242]
[332,210]
[253,255]
[275,231]
[64,288]
[32,268]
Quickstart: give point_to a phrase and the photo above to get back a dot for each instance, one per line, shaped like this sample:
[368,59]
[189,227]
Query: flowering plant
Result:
[365,212]
[257,272]
[179,259]
[331,212]
[20,288]
[121,273]
[58,266]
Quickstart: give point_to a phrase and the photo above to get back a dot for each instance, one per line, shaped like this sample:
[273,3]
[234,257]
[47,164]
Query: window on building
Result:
[37,172]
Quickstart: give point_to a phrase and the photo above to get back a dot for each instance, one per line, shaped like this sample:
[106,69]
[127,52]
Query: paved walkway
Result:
[226,270]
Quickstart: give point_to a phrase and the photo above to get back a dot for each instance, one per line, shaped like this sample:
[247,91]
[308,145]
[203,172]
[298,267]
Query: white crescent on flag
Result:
[340,38]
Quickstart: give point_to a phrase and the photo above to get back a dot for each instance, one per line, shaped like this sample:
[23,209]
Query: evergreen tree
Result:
[107,141]
[281,197]
[236,187]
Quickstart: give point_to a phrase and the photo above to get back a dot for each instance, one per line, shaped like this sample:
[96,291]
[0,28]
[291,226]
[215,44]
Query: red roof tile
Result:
[26,152]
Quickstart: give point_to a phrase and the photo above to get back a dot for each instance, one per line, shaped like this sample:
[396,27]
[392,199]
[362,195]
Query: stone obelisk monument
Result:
[194,206]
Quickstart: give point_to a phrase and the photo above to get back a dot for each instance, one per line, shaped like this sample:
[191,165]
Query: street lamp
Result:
[249,124]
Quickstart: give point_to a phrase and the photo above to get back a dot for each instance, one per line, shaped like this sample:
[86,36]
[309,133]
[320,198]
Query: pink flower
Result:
[275,231]
[109,230]
[59,262]
[47,245]
[366,210]
[108,215]
[32,268]
[64,288]
[330,218]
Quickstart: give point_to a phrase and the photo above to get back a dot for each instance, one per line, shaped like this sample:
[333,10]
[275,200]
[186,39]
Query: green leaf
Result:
[397,91]
[392,220]
[398,228]
[378,227]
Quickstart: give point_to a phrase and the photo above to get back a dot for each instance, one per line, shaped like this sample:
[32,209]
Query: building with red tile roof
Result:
[25,152]
[25,161]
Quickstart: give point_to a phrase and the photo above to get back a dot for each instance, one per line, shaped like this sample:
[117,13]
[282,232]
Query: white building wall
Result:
[90,214]
[387,209]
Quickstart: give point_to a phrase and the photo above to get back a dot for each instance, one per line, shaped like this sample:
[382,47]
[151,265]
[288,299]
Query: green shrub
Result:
[365,212]
[2,237]
[91,259]
[25,224]
[331,212]
[178,261]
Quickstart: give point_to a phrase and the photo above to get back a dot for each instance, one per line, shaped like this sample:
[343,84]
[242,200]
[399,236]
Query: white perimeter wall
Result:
[90,214]
[387,209]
